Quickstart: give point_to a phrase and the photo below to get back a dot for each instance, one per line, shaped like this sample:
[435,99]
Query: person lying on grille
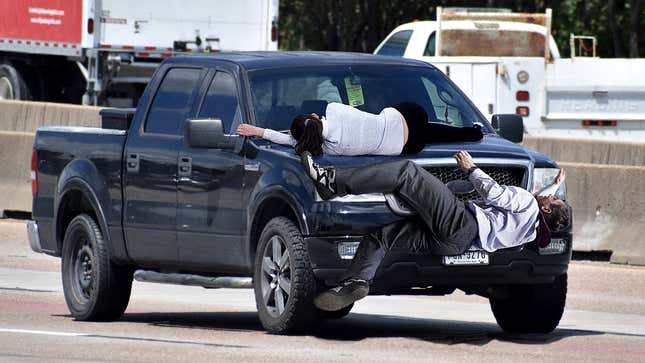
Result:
[506,216]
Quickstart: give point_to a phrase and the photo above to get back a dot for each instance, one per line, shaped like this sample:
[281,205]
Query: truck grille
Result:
[502,175]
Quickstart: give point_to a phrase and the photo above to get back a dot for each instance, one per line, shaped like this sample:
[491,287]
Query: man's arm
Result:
[267,134]
[553,187]
[512,199]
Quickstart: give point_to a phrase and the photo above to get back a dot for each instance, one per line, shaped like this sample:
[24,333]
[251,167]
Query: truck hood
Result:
[491,146]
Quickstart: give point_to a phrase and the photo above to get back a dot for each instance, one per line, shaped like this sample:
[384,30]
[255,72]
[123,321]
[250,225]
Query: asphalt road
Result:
[604,321]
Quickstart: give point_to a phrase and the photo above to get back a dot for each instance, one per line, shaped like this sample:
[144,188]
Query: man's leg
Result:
[451,225]
[355,282]
[366,261]
[369,255]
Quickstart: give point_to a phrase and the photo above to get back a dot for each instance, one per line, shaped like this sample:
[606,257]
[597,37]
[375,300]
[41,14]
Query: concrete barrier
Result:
[588,151]
[28,116]
[609,209]
[606,180]
[15,182]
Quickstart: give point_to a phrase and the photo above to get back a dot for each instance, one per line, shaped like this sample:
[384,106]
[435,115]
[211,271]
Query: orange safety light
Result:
[522,111]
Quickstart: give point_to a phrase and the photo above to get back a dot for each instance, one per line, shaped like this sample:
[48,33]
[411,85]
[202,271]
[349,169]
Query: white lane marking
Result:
[141,339]
[43,332]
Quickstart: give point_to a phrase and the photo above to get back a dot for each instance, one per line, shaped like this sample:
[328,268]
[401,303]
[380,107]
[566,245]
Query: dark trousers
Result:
[443,225]
[421,132]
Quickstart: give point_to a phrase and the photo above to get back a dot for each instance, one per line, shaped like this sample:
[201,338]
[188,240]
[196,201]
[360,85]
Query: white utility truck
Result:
[104,51]
[509,63]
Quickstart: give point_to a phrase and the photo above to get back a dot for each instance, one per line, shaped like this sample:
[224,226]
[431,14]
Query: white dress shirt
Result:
[506,215]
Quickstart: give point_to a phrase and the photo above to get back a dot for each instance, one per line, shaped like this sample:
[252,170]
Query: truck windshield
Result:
[280,95]
[491,43]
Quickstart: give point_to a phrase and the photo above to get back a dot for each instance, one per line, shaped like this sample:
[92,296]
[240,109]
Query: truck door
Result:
[211,217]
[150,181]
[484,88]
[477,80]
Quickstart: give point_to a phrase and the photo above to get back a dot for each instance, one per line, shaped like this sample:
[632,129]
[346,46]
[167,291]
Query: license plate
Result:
[467,258]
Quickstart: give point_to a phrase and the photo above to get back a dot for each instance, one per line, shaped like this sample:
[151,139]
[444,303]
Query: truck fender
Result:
[81,176]
[274,193]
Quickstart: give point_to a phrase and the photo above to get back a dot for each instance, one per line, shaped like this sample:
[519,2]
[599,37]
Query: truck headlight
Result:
[543,177]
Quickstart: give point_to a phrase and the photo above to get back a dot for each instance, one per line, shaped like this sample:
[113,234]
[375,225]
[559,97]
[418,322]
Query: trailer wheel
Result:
[12,84]
[95,288]
[531,308]
[284,282]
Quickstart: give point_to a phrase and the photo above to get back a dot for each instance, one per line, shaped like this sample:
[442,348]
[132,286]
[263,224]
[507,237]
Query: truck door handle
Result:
[185,166]
[132,163]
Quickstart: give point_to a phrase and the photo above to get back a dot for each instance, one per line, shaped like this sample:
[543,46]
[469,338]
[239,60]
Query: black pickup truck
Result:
[167,193]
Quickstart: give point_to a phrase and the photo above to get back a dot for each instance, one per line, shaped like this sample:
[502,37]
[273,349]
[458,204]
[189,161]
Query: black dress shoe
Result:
[343,295]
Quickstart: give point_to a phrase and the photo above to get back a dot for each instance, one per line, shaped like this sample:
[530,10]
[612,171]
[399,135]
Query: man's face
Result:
[546,202]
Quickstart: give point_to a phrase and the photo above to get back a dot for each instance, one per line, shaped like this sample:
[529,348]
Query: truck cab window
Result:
[221,101]
[172,103]
[446,107]
[395,46]
[430,46]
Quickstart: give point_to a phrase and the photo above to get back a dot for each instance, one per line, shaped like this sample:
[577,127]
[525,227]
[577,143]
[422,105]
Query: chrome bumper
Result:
[34,239]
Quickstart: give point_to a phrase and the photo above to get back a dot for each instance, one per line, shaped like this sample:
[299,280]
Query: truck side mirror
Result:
[509,126]
[208,134]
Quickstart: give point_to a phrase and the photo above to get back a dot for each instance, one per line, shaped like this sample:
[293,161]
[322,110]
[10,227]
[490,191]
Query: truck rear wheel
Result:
[95,288]
[531,308]
[12,84]
[283,280]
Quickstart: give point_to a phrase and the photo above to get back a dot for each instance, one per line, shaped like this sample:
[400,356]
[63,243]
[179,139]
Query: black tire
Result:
[297,311]
[12,84]
[338,314]
[95,288]
[531,308]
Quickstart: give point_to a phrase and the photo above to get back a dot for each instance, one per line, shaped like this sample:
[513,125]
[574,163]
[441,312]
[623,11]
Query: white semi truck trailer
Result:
[104,51]
[509,63]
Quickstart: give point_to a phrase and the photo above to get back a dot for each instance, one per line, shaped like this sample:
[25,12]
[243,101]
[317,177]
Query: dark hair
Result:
[559,218]
[416,118]
[308,132]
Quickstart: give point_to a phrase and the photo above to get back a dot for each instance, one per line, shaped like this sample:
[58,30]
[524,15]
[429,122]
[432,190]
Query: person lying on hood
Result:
[345,130]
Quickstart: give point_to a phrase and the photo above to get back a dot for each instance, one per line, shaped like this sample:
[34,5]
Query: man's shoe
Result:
[341,296]
[324,178]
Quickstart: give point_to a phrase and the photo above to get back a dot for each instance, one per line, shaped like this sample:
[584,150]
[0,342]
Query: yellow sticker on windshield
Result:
[354,91]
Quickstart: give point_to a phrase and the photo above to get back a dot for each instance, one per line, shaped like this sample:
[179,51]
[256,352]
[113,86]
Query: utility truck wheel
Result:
[12,84]
[95,288]
[531,308]
[283,280]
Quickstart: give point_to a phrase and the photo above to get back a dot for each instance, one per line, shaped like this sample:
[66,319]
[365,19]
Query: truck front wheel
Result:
[533,308]
[95,288]
[283,280]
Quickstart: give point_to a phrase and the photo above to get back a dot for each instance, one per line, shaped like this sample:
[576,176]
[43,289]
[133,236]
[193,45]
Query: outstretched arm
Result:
[553,187]
[267,134]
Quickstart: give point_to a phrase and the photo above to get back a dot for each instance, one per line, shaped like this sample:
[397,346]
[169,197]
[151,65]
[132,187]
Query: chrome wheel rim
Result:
[276,276]
[83,270]
[6,89]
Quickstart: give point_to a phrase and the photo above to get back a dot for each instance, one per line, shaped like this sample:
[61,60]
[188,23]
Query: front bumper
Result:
[401,270]
[34,239]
